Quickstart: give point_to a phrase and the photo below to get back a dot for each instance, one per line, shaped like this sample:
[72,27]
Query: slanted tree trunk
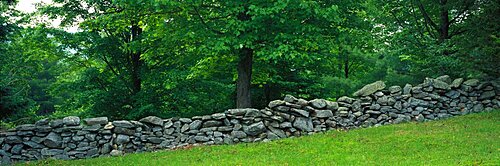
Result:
[243,97]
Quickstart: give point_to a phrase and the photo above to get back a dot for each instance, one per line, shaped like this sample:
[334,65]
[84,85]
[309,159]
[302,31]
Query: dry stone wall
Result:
[374,105]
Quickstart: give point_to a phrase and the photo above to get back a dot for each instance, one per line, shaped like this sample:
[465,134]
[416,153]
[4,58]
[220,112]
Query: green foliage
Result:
[132,59]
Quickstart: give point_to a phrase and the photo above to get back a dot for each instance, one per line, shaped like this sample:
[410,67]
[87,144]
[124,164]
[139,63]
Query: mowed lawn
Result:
[466,140]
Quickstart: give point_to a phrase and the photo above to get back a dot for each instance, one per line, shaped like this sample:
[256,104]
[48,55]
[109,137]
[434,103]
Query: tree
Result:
[429,35]
[263,31]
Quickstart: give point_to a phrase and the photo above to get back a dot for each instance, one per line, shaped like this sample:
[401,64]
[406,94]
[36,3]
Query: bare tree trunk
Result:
[243,97]
[136,62]
[445,22]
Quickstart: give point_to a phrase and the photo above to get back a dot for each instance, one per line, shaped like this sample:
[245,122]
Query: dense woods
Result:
[131,59]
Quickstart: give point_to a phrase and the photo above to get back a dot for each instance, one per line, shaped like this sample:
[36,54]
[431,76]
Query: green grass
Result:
[466,140]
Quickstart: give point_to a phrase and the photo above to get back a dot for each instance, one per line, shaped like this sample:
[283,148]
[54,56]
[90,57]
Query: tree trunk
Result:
[346,64]
[136,62]
[243,97]
[445,22]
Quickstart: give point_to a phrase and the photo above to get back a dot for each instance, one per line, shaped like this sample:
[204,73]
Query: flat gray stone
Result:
[303,124]
[56,123]
[318,103]
[276,103]
[487,95]
[122,139]
[152,120]
[116,153]
[252,113]
[440,84]
[407,89]
[212,123]
[237,112]
[239,134]
[290,99]
[53,140]
[96,121]
[13,140]
[457,82]
[26,127]
[471,82]
[123,124]
[33,145]
[195,125]
[201,138]
[218,116]
[324,113]
[71,121]
[332,105]
[255,129]
[370,89]
[42,122]
[300,112]
[394,89]
[444,78]
[51,152]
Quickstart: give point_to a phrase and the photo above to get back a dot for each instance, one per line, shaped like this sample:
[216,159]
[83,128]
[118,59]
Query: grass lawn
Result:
[466,140]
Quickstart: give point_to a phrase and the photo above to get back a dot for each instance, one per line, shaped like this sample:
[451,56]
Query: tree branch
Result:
[427,18]
[116,73]
[204,23]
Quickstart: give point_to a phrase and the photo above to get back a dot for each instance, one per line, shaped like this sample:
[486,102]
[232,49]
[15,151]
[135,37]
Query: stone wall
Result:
[374,105]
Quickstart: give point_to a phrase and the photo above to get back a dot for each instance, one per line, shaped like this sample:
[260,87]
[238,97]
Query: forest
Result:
[182,58]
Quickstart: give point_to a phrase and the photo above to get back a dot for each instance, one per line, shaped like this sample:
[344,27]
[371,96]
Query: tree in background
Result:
[436,35]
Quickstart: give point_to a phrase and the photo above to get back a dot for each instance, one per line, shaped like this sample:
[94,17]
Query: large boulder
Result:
[255,129]
[152,120]
[370,89]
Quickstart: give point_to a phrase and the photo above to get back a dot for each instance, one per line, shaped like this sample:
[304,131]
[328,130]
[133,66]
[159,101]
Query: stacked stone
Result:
[60,139]
[375,105]
[434,99]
